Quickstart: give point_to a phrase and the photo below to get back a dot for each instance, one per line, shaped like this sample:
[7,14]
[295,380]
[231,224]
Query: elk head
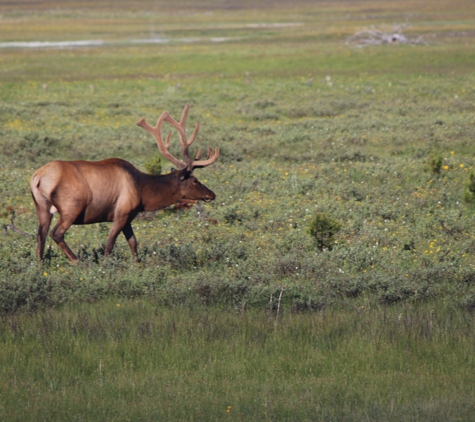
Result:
[191,188]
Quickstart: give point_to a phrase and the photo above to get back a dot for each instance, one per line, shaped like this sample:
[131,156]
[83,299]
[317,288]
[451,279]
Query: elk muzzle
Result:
[210,196]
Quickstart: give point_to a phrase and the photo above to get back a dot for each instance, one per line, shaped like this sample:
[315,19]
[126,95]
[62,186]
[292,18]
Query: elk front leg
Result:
[131,240]
[117,226]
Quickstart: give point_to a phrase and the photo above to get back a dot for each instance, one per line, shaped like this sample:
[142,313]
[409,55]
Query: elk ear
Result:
[185,173]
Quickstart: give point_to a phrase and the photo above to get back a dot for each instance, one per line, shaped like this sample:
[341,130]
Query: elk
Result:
[113,190]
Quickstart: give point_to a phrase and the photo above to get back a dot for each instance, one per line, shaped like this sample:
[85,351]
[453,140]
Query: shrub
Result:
[469,193]
[323,228]
[436,163]
[153,165]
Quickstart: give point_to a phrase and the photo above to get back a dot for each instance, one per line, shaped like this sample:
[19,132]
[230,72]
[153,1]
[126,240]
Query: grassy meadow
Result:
[239,312]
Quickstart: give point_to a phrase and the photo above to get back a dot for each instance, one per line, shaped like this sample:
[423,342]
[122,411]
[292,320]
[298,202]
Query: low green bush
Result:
[153,164]
[323,229]
[469,191]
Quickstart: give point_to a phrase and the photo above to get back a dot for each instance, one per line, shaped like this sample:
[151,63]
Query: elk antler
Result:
[180,127]
[157,134]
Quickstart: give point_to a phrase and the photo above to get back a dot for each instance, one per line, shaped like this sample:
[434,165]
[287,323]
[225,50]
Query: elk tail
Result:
[35,183]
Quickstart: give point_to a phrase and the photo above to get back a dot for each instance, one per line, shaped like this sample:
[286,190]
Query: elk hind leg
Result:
[44,215]
[44,220]
[57,235]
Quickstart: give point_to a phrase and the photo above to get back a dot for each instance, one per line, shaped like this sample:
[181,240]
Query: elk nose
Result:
[209,197]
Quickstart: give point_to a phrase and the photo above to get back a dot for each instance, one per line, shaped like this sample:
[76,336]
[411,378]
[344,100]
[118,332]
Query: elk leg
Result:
[116,228]
[44,220]
[132,241]
[57,235]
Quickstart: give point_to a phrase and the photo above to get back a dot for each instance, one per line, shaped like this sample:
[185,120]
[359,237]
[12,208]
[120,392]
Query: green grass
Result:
[376,325]
[137,361]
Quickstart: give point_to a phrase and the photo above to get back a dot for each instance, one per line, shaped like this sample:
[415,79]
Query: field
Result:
[240,312]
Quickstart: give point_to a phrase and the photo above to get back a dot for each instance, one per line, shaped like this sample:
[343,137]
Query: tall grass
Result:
[134,360]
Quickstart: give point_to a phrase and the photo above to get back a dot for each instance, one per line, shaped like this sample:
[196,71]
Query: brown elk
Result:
[113,190]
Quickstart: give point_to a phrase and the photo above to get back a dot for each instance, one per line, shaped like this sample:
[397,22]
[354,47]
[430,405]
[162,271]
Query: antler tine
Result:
[167,143]
[156,132]
[184,115]
[180,127]
[183,122]
[193,135]
[212,157]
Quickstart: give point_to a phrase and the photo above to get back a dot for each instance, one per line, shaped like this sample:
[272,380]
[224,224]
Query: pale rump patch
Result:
[53,209]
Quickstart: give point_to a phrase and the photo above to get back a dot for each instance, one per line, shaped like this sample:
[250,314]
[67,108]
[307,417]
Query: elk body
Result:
[113,190]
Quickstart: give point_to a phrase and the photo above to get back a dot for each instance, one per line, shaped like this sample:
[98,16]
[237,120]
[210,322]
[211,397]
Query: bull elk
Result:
[113,190]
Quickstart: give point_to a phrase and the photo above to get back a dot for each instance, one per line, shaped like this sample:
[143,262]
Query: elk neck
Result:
[160,191]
